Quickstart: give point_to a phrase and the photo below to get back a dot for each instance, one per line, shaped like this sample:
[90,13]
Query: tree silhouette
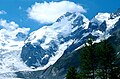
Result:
[88,60]
[72,73]
[106,56]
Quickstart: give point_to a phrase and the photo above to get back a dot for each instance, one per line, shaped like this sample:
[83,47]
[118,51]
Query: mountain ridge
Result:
[43,48]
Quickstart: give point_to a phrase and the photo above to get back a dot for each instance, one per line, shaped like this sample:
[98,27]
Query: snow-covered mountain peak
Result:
[100,18]
[53,40]
[115,14]
[65,25]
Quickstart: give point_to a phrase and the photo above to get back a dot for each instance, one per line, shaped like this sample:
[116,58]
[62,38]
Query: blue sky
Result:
[17,10]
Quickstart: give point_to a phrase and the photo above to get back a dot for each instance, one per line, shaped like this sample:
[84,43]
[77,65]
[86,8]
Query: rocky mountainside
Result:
[46,45]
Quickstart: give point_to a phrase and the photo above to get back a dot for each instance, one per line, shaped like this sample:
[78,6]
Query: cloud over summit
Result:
[50,12]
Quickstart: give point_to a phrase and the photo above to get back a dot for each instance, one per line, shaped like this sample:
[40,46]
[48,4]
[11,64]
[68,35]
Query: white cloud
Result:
[10,30]
[50,12]
[9,26]
[3,12]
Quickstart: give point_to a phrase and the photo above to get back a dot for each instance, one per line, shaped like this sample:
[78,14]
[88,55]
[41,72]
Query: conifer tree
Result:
[106,56]
[72,73]
[88,60]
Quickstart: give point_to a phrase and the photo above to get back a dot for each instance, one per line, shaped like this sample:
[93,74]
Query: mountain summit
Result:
[46,45]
